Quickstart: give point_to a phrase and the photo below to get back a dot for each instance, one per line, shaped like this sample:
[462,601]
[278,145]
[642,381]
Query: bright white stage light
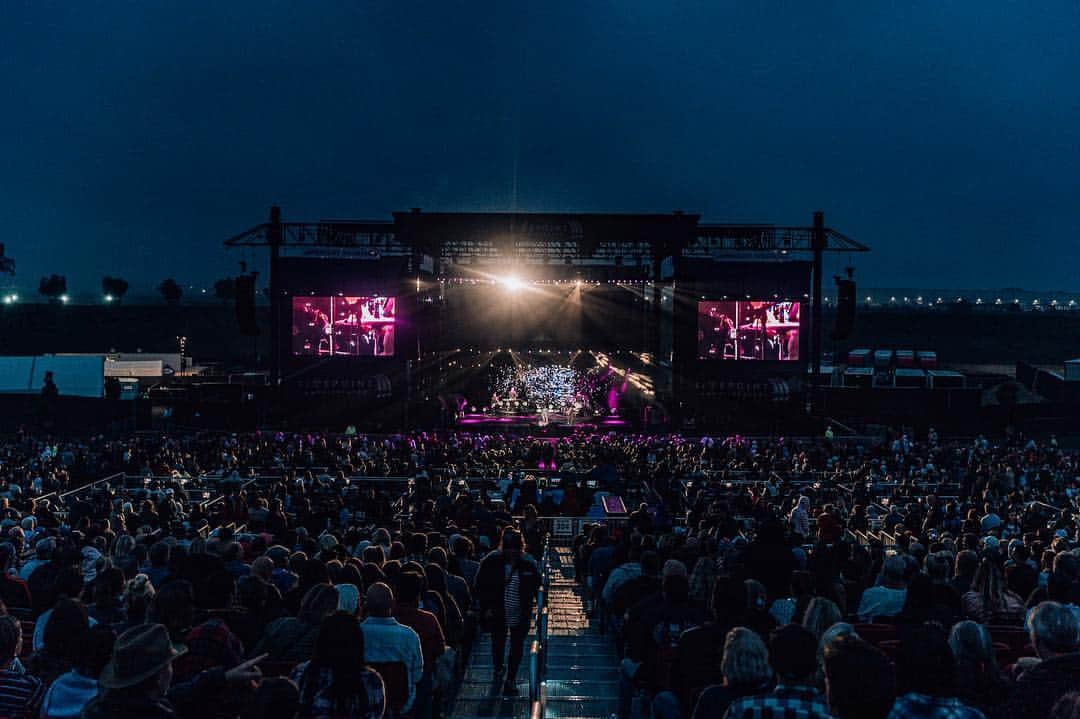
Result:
[512,283]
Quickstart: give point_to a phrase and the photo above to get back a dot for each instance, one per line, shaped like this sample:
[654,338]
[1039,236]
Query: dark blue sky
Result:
[138,135]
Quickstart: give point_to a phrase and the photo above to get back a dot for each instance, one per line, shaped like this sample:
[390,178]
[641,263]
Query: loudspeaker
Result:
[245,305]
[845,309]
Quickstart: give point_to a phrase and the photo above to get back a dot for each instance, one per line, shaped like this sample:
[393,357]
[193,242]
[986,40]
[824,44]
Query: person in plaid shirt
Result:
[926,677]
[793,655]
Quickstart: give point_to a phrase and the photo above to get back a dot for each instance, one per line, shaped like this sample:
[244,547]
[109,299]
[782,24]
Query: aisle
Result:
[582,666]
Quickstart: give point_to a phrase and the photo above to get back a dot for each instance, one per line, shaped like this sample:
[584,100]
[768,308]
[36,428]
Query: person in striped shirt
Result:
[20,694]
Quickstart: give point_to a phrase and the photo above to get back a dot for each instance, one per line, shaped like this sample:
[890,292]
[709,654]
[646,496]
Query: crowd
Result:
[766,578]
[851,585]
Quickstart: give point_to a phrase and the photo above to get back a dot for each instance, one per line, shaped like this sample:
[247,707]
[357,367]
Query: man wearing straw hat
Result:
[137,681]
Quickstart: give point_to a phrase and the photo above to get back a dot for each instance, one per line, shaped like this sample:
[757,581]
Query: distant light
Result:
[109,298]
[8,300]
[512,283]
[64,298]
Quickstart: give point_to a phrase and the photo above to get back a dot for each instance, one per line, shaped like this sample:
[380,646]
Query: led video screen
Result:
[750,330]
[343,326]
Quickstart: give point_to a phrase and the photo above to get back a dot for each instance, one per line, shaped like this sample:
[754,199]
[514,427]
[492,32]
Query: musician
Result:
[755,318]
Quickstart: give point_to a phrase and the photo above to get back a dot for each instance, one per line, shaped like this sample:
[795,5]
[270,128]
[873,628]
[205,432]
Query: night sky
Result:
[945,134]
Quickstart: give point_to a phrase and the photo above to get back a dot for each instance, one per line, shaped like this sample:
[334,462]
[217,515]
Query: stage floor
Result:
[556,422]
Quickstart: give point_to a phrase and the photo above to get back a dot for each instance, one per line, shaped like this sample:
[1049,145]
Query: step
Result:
[582,672]
[593,688]
[502,707]
[491,689]
[579,707]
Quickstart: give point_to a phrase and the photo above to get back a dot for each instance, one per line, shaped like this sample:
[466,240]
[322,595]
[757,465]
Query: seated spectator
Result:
[886,599]
[387,641]
[158,571]
[275,698]
[14,591]
[745,669]
[212,642]
[68,585]
[336,681]
[137,683]
[74,690]
[426,626]
[292,639]
[860,682]
[20,694]
[926,678]
[792,652]
[138,597]
[1067,707]
[989,601]
[967,562]
[979,682]
[63,633]
[1055,634]
[43,551]
[786,610]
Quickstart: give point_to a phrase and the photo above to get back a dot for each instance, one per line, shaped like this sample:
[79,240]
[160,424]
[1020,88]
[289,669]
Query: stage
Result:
[558,424]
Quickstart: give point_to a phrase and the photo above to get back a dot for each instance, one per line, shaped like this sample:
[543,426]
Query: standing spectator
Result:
[506,587]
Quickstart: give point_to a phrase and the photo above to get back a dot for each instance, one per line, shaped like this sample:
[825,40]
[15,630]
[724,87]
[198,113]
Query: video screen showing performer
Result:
[764,330]
[344,326]
[312,328]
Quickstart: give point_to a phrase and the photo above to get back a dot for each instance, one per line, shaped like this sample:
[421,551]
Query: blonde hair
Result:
[820,614]
[746,658]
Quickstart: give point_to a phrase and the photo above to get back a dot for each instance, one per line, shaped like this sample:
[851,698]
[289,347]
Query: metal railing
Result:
[538,649]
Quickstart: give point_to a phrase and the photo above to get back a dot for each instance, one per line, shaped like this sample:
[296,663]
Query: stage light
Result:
[512,283]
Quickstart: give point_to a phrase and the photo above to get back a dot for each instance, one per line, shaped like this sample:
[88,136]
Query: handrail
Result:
[537,649]
[90,485]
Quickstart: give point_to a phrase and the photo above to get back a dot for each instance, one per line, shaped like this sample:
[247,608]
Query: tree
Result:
[171,290]
[53,287]
[225,289]
[7,264]
[115,287]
